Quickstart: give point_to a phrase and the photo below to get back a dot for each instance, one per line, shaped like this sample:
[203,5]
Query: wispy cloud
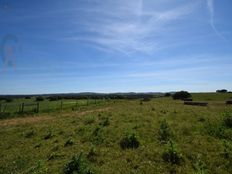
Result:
[210,5]
[128,26]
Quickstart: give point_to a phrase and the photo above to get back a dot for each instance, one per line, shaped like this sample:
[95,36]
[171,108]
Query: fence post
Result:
[37,109]
[22,107]
[61,105]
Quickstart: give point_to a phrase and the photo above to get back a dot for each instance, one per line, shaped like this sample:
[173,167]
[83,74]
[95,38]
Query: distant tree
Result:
[181,95]
[39,99]
[167,94]
[54,98]
[146,99]
[8,100]
[2,98]
[27,97]
[221,91]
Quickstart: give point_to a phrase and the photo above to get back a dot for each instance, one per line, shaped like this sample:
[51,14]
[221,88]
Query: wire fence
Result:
[45,106]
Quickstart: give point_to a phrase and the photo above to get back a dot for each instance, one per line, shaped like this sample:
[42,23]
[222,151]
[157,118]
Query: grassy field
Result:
[122,137]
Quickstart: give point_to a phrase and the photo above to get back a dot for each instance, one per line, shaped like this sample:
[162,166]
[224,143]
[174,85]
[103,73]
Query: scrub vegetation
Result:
[160,135]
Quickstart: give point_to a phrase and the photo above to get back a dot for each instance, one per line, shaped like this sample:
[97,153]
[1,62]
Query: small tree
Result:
[39,99]
[181,95]
[167,94]
[221,91]
[9,100]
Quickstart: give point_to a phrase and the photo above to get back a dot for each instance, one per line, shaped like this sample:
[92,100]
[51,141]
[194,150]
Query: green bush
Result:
[9,100]
[105,121]
[215,129]
[227,117]
[29,133]
[77,165]
[97,135]
[199,165]
[146,99]
[48,135]
[39,99]
[167,94]
[181,95]
[39,168]
[227,150]
[92,154]
[164,132]
[130,141]
[4,115]
[89,120]
[171,155]
[69,142]
[53,156]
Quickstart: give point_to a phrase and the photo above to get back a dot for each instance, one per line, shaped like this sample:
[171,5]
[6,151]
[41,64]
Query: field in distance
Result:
[122,136]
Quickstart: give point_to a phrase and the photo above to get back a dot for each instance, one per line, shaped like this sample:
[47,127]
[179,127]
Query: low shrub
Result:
[227,118]
[105,121]
[172,155]
[77,165]
[167,94]
[29,133]
[199,165]
[92,154]
[164,132]
[39,168]
[130,141]
[69,142]
[97,135]
[39,99]
[89,120]
[215,129]
[48,135]
[9,100]
[220,129]
[4,115]
[54,155]
[227,155]
[146,99]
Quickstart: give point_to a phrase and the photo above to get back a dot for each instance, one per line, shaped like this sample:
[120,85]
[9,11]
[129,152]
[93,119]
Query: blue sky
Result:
[61,46]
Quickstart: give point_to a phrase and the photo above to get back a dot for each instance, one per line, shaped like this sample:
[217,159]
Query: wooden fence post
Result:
[37,109]
[4,109]
[22,108]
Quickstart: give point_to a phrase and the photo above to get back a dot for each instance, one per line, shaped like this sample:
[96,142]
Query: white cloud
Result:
[210,6]
[128,26]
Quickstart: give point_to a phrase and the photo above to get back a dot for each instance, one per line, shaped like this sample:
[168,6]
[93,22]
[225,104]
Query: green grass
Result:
[48,146]
[211,96]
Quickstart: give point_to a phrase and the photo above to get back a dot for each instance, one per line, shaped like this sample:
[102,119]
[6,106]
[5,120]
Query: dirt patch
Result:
[91,111]
[25,120]
[35,119]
